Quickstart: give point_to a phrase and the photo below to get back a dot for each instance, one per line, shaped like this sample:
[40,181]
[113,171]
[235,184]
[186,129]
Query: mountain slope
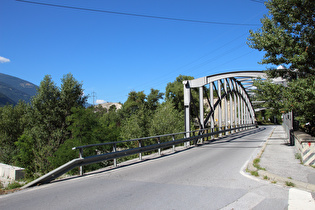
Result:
[13,89]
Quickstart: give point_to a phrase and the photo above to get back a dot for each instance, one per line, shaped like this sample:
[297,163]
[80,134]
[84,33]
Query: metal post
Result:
[225,107]
[140,154]
[231,106]
[187,109]
[219,107]
[201,113]
[81,157]
[211,104]
[159,142]
[115,160]
[173,138]
[235,105]
[239,111]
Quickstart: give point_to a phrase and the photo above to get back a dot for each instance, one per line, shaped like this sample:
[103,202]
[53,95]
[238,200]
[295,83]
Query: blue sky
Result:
[113,54]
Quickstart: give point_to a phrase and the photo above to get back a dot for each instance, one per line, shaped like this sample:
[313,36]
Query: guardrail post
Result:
[140,154]
[114,150]
[173,138]
[81,157]
[159,148]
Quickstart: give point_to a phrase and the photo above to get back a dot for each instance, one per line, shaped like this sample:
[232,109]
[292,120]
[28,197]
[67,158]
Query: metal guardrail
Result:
[81,161]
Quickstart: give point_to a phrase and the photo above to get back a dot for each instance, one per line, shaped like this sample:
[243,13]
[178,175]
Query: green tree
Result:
[175,91]
[85,128]
[166,120]
[153,99]
[287,37]
[44,122]
[139,109]
[12,123]
[47,126]
[111,124]
[134,102]
[25,156]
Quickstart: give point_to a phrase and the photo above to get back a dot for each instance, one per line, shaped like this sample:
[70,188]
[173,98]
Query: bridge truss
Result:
[227,98]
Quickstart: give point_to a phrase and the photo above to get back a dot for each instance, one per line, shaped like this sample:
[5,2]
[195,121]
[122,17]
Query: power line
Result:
[258,1]
[137,15]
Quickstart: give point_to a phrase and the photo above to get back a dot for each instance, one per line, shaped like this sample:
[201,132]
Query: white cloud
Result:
[99,101]
[4,60]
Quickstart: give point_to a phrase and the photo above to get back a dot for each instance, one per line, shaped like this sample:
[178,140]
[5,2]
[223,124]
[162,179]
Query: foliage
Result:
[174,92]
[12,123]
[25,156]
[47,126]
[134,102]
[301,98]
[40,136]
[287,36]
[138,110]
[13,185]
[166,119]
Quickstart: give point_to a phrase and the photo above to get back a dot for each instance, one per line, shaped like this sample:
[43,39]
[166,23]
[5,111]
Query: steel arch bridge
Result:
[232,99]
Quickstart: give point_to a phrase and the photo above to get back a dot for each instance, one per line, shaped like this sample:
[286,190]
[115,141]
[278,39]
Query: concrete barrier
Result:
[11,172]
[305,145]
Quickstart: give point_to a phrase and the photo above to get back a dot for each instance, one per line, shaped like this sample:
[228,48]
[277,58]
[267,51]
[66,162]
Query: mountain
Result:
[13,89]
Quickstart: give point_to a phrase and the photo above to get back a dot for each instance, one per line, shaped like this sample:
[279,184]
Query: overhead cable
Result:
[137,15]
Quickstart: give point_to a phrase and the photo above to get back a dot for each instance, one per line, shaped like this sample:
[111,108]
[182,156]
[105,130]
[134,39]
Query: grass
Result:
[299,157]
[256,164]
[266,177]
[13,185]
[289,184]
[254,173]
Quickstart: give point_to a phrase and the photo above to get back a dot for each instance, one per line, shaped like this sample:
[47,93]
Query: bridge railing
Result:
[176,138]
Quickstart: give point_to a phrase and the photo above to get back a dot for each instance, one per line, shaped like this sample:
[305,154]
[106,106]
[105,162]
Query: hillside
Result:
[13,89]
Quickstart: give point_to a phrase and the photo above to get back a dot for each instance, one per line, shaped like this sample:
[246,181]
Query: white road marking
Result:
[248,201]
[300,200]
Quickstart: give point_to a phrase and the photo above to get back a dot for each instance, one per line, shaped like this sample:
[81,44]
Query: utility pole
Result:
[94,97]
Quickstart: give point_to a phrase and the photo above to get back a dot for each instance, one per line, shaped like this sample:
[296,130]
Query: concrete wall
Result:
[305,144]
[8,172]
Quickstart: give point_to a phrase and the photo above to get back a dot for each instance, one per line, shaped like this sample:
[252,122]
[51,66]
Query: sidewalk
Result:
[282,167]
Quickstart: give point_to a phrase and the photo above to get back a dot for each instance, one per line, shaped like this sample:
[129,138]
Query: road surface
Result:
[203,177]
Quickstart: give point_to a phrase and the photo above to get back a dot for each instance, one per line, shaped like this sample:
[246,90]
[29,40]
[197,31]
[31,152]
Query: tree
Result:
[47,127]
[138,110]
[44,121]
[175,92]
[134,102]
[153,99]
[166,120]
[85,128]
[287,37]
[12,123]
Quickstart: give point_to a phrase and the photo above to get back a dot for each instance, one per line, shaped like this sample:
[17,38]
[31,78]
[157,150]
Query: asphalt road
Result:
[203,177]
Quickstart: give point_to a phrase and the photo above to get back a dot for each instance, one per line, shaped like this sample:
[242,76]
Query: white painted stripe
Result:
[248,201]
[300,200]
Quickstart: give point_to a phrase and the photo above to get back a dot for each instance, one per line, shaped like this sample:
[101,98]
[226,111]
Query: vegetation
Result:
[39,136]
[287,38]
[289,184]
[257,165]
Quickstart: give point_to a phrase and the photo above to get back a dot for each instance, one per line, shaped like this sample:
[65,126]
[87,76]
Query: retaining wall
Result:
[11,172]
[305,145]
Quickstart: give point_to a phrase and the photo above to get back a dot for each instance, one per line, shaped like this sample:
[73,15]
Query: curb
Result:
[276,178]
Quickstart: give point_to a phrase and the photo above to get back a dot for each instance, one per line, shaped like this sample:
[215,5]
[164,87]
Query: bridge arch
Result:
[232,90]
